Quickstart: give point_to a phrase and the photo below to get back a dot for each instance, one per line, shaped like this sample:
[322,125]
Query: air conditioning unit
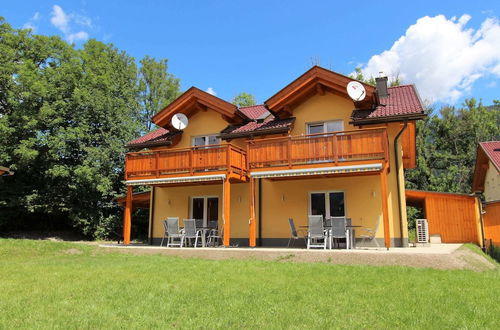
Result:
[422,231]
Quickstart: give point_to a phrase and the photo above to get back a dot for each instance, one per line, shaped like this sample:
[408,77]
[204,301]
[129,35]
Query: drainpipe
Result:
[396,162]
[259,242]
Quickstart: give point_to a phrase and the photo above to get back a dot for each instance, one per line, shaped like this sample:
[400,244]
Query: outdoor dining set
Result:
[194,233]
[329,232]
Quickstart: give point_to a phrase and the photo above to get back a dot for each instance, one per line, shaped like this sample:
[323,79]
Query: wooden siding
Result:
[491,220]
[408,142]
[185,161]
[337,147]
[452,216]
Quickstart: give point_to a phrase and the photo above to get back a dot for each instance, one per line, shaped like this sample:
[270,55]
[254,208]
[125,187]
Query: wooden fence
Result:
[491,219]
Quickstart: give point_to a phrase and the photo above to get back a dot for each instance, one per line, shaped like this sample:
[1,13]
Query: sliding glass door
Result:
[328,204]
[205,208]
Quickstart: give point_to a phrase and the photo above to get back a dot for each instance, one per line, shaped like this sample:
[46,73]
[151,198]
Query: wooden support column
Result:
[385,206]
[252,226]
[127,216]
[226,189]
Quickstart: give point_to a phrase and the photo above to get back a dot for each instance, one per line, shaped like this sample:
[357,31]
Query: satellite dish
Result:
[356,91]
[179,121]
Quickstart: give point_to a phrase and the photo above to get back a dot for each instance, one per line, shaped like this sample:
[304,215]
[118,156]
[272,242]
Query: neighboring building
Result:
[487,171]
[487,181]
[309,149]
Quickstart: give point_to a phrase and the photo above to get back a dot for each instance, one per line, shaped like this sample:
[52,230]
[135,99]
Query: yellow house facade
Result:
[309,149]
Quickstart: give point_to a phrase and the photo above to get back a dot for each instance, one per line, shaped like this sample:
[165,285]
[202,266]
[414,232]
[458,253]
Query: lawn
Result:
[65,285]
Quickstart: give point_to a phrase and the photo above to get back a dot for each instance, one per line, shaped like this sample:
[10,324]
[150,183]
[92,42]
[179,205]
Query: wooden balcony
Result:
[324,149]
[207,160]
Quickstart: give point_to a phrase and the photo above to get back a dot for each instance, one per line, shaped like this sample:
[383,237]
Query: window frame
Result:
[327,201]
[324,123]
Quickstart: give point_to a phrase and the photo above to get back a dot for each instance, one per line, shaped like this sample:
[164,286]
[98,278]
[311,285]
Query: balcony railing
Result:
[186,161]
[337,147]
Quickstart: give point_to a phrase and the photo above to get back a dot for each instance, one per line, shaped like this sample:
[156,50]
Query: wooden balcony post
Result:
[385,206]
[157,162]
[126,166]
[191,161]
[289,151]
[336,148]
[127,216]
[252,227]
[228,157]
[226,210]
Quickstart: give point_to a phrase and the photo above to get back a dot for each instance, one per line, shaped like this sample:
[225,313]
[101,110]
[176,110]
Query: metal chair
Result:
[370,233]
[215,235]
[316,232]
[190,232]
[294,234]
[173,232]
[339,230]
[165,232]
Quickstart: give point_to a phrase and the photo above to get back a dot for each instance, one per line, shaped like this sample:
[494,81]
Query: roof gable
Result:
[317,80]
[194,100]
[486,152]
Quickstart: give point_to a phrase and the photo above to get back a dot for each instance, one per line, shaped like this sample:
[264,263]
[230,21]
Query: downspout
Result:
[396,162]
[259,242]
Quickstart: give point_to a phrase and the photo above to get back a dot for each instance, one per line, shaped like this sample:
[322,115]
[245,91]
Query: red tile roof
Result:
[160,136]
[258,127]
[401,101]
[492,150]
[254,111]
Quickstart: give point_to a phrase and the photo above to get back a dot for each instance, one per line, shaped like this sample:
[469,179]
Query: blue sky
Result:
[260,46]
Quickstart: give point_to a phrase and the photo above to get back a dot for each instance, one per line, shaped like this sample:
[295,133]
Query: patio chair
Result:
[215,235]
[294,234]
[339,230]
[316,232]
[370,233]
[190,232]
[165,232]
[173,232]
[199,223]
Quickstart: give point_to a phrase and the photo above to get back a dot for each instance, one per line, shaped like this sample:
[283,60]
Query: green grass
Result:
[63,285]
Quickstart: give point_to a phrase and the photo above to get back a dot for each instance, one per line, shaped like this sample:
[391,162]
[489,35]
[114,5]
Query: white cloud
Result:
[59,19]
[82,35]
[210,90]
[441,56]
[63,22]
[31,23]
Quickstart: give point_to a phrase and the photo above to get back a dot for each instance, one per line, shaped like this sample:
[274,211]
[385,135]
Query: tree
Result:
[66,116]
[157,87]
[244,100]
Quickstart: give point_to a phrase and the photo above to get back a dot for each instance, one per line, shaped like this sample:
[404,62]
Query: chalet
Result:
[486,181]
[309,149]
[487,171]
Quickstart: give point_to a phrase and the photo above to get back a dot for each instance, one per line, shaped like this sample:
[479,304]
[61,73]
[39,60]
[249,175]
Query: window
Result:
[325,127]
[205,140]
[205,208]
[328,204]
